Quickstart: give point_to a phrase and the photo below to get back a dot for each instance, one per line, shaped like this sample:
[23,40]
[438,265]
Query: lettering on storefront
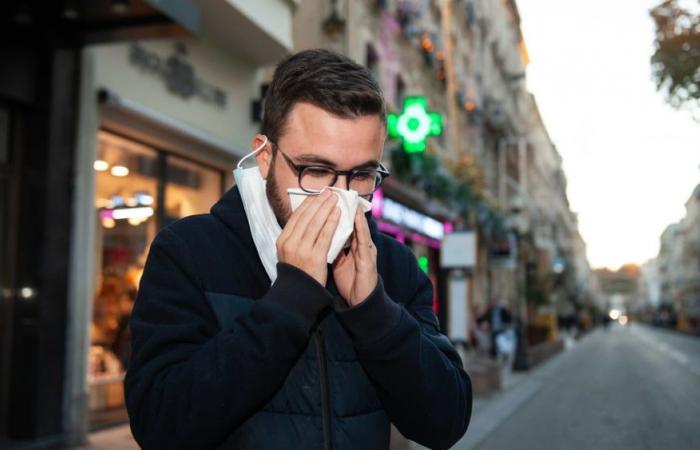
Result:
[178,74]
[401,215]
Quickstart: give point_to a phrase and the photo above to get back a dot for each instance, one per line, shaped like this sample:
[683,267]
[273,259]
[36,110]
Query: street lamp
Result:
[518,224]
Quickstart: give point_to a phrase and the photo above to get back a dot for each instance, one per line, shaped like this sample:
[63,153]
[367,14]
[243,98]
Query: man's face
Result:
[315,136]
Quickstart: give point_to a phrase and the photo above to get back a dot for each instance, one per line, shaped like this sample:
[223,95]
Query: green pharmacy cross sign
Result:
[414,124]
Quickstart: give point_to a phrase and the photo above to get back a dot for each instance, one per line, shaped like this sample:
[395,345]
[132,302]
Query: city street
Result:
[524,179]
[631,387]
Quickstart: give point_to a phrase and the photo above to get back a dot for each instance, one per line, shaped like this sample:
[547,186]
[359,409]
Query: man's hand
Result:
[355,274]
[307,236]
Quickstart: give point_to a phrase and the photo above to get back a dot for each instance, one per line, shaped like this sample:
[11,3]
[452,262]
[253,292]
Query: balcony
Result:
[260,31]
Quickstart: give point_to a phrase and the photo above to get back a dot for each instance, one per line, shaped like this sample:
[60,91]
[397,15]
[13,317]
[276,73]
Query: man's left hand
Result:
[355,273]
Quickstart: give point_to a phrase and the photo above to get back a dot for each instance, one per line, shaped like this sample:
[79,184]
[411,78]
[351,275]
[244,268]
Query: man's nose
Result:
[347,180]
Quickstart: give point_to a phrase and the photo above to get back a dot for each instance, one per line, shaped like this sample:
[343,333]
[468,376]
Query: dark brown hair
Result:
[325,79]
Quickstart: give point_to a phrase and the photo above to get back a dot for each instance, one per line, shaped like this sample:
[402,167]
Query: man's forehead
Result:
[311,122]
[312,134]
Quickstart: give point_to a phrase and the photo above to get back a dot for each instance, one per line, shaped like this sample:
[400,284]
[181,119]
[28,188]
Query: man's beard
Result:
[275,197]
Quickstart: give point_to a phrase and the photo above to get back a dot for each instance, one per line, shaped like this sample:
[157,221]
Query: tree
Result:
[675,63]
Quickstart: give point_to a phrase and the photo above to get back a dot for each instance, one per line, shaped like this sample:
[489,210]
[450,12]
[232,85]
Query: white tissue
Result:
[348,201]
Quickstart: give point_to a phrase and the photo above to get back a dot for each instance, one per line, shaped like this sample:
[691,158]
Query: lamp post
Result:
[518,225]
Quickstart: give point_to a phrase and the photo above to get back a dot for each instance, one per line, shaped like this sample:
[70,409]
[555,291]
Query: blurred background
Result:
[545,162]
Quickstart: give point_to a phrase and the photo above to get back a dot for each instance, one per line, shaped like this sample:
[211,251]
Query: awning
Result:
[81,22]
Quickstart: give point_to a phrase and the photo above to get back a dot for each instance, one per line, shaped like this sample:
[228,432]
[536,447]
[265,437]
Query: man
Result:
[314,356]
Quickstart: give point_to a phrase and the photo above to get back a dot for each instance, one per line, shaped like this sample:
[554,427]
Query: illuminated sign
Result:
[142,212]
[423,263]
[401,215]
[415,124]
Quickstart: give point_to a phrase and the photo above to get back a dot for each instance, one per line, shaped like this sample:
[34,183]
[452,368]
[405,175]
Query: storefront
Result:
[421,232]
[161,147]
[138,190]
[116,118]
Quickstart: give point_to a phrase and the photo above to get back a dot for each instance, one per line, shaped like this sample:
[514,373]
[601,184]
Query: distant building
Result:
[679,266]
[620,288]
[650,284]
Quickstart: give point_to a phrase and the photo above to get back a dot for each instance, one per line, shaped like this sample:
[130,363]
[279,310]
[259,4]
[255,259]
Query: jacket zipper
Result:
[325,395]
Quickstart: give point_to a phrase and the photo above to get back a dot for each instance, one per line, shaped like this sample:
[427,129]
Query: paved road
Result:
[631,387]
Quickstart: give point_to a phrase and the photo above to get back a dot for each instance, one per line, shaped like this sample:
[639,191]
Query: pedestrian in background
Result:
[254,328]
[499,321]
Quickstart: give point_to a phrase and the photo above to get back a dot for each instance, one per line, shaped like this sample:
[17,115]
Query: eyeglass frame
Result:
[348,174]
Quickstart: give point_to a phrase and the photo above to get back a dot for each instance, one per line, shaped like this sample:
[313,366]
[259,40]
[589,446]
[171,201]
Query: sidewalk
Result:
[115,438]
[518,387]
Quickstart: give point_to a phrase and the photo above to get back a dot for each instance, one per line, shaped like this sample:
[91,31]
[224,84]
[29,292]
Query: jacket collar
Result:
[229,209]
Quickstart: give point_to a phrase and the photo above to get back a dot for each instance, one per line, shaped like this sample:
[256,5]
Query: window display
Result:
[190,188]
[138,190]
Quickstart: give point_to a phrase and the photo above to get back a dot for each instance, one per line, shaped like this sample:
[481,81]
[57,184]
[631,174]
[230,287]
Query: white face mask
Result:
[261,219]
[263,223]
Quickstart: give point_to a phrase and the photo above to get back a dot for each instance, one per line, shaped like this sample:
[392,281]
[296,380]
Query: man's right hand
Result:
[307,236]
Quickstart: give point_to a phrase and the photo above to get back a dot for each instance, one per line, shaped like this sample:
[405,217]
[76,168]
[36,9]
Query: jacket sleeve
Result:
[416,371]
[190,383]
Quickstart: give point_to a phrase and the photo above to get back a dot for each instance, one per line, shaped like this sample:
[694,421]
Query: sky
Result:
[631,160]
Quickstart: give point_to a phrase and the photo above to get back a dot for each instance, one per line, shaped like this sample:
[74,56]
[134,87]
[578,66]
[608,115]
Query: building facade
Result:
[468,60]
[146,124]
[678,265]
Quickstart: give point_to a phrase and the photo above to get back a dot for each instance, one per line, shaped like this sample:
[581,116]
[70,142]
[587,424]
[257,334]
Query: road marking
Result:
[663,348]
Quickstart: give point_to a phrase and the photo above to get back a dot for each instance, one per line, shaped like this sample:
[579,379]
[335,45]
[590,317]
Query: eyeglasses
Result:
[314,178]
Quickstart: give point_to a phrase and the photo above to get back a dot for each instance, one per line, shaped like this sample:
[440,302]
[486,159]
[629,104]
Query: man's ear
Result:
[264,156]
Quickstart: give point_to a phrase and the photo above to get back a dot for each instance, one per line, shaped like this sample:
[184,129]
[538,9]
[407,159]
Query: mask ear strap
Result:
[260,147]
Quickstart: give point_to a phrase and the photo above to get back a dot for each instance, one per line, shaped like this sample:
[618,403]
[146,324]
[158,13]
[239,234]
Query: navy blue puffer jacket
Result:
[221,359]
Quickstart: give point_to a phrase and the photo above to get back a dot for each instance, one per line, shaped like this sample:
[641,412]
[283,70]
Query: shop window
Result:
[138,190]
[427,261]
[126,200]
[372,61]
[189,189]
